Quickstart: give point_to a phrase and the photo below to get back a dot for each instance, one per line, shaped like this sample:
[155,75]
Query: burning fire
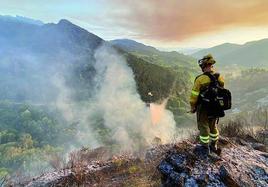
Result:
[157,111]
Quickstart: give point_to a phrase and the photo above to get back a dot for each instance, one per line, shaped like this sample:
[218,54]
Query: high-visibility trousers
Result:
[206,126]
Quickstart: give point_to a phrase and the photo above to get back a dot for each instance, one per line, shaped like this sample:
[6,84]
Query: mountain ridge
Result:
[172,59]
[21,19]
[133,45]
[250,54]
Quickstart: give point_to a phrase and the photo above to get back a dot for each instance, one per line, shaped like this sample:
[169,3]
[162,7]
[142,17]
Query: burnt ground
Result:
[242,163]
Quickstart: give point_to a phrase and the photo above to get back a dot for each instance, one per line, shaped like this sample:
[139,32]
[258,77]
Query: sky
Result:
[160,23]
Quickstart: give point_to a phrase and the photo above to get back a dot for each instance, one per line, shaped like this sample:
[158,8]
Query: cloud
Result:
[176,20]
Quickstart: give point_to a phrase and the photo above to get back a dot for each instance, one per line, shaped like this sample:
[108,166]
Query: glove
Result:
[193,110]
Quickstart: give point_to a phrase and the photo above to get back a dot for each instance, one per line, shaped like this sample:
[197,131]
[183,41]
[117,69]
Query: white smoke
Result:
[117,102]
[76,114]
[123,111]
[63,101]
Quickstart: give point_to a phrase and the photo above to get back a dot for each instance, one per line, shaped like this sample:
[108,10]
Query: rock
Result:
[178,161]
[201,151]
[233,168]
[265,155]
[190,182]
[176,179]
[203,180]
[259,146]
[165,168]
[171,177]
[155,153]
[231,176]
[260,177]
[226,177]
[242,142]
[263,136]
[251,139]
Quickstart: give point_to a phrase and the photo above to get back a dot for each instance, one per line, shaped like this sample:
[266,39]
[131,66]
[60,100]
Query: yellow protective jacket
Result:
[201,82]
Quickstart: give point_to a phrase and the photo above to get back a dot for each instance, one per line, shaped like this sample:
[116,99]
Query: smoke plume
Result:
[116,105]
[123,111]
[175,20]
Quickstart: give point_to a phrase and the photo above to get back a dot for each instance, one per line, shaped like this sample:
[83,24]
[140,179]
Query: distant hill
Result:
[188,51]
[133,46]
[185,51]
[217,51]
[152,55]
[251,54]
[21,19]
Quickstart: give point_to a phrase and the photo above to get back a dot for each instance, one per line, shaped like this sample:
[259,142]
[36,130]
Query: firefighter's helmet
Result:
[208,59]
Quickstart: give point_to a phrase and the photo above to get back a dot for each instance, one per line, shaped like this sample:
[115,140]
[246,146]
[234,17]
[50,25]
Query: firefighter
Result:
[208,131]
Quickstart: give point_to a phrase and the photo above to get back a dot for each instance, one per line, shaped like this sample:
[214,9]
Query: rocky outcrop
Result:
[169,165]
[237,166]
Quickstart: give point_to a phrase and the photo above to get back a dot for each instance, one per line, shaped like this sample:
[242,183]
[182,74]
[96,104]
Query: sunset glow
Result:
[173,23]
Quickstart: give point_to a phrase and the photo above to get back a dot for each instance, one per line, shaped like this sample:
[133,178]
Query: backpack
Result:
[215,99]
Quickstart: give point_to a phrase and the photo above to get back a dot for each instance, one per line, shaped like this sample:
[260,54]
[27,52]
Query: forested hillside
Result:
[249,89]
[29,136]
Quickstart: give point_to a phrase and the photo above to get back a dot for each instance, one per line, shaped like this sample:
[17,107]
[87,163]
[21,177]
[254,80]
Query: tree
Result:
[26,141]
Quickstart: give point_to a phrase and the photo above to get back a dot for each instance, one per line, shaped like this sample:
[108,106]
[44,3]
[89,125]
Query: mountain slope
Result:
[251,54]
[47,38]
[169,59]
[32,56]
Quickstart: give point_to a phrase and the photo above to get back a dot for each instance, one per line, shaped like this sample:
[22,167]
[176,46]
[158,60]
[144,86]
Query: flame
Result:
[157,111]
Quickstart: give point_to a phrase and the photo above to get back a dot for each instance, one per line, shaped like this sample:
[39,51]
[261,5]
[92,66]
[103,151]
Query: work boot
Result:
[202,151]
[214,157]
[214,148]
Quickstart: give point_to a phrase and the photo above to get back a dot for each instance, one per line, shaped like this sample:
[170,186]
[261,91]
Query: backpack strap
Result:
[213,78]
[197,77]
[217,75]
